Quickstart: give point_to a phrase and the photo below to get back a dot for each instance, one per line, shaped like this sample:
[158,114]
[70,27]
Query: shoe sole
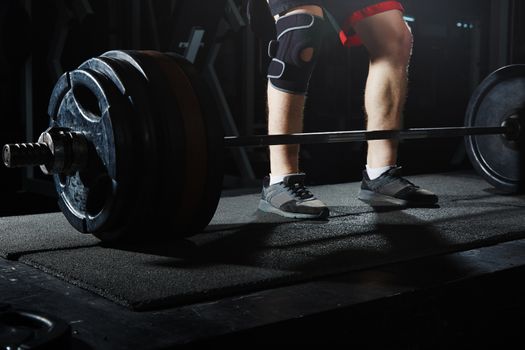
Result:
[375,199]
[268,208]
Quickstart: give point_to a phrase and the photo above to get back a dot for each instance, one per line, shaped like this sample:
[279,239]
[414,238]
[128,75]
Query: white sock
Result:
[374,173]
[279,178]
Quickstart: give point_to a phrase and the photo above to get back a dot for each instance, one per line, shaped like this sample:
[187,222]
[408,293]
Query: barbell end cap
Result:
[19,155]
[6,155]
[514,127]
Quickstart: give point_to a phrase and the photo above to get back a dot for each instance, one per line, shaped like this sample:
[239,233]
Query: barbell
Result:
[135,144]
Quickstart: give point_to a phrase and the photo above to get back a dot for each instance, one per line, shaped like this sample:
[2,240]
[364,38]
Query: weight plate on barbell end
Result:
[200,161]
[87,102]
[499,99]
[195,140]
[144,159]
[169,221]
[193,168]
[23,329]
[156,146]
[214,142]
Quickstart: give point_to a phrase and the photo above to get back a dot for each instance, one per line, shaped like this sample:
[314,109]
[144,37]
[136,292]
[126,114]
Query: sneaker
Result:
[390,189]
[290,198]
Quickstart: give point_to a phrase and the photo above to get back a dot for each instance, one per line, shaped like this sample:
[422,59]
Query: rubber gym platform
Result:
[254,276]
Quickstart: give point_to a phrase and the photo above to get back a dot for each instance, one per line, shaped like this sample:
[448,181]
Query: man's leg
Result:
[284,192]
[389,42]
[285,114]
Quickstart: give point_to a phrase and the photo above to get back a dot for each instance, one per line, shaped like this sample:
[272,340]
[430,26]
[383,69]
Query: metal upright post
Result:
[232,20]
[27,78]
[500,31]
[249,80]
[241,158]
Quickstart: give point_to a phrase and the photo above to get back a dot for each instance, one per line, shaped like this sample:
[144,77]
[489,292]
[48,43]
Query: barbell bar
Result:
[362,135]
[42,153]
[135,143]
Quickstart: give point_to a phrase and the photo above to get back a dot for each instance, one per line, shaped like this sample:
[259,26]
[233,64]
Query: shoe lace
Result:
[299,191]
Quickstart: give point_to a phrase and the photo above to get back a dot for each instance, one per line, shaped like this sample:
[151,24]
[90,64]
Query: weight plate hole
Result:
[62,179]
[87,101]
[99,193]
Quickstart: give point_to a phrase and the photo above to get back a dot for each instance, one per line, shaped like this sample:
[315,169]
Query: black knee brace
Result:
[288,71]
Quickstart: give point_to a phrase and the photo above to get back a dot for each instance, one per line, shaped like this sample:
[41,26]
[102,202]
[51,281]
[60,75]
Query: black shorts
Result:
[346,13]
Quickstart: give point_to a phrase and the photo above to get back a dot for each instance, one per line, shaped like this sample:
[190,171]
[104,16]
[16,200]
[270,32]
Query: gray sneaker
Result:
[390,189]
[290,198]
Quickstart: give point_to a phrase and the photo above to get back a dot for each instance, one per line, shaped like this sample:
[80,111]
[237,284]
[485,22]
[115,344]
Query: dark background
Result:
[457,44]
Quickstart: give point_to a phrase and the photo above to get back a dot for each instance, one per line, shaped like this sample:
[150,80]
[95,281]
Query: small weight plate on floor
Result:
[21,329]
[499,100]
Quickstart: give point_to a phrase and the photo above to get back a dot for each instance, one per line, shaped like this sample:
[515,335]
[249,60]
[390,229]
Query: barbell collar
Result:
[69,150]
[360,136]
[58,151]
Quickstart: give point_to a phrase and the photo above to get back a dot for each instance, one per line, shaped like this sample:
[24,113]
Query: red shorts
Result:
[345,12]
[347,35]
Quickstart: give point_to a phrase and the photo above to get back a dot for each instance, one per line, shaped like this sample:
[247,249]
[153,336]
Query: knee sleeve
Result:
[289,71]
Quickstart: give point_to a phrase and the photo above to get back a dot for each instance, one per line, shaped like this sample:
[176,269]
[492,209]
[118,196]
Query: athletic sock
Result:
[374,173]
[279,178]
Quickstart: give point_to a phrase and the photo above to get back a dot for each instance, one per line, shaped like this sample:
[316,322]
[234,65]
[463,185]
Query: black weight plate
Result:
[171,145]
[214,142]
[500,96]
[22,329]
[194,168]
[142,162]
[87,102]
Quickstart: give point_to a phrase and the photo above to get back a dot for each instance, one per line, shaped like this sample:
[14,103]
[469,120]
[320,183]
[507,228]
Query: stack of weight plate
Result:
[155,163]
